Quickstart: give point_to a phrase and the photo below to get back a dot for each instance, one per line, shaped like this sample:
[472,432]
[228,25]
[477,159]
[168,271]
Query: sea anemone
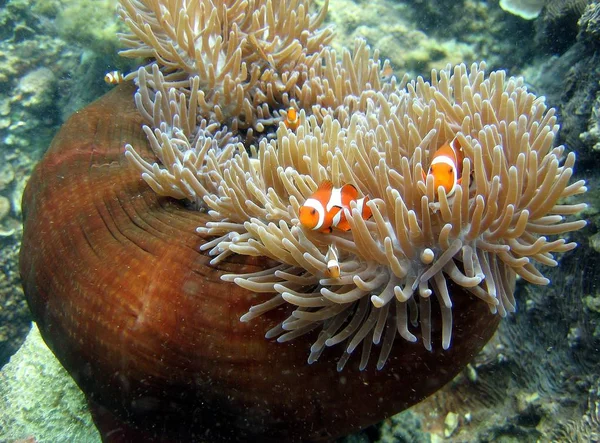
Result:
[214,96]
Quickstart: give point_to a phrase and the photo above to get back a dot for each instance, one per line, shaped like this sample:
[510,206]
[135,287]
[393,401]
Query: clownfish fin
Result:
[334,211]
[456,145]
[343,225]
[350,191]
[323,192]
[326,185]
[366,210]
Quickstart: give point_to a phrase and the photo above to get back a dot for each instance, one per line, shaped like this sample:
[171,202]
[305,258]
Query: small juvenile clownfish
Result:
[114,77]
[333,265]
[446,167]
[326,208]
[387,72]
[291,120]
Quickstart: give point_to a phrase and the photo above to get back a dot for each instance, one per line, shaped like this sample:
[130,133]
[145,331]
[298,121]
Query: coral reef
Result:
[396,29]
[89,23]
[556,28]
[476,30]
[570,82]
[51,65]
[587,428]
[14,313]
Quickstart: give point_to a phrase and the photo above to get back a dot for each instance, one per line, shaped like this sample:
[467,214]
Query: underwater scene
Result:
[299,220]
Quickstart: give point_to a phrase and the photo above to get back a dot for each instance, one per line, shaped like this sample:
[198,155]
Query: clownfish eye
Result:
[313,211]
[450,169]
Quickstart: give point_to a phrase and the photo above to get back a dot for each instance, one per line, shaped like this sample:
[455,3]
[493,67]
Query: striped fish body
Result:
[326,208]
[114,77]
[446,167]
[333,265]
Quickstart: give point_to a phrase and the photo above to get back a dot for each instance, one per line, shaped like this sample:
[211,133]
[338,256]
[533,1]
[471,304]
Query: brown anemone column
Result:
[143,323]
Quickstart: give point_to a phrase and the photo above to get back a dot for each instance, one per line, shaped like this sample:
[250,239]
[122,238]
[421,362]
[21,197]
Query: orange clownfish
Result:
[291,120]
[114,77]
[446,167]
[326,208]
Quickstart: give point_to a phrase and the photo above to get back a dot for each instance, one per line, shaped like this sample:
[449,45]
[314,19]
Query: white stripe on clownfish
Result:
[335,199]
[337,218]
[360,204]
[317,206]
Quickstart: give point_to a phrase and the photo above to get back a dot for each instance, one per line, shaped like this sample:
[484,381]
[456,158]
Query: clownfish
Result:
[291,120]
[446,167]
[387,72]
[333,265]
[114,77]
[326,208]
